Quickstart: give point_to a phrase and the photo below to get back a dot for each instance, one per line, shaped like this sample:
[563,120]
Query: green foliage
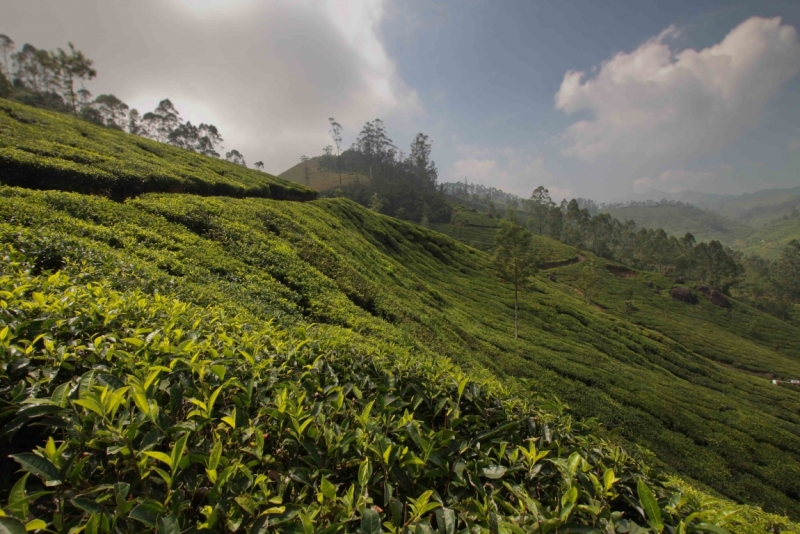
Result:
[690,388]
[588,283]
[47,150]
[145,412]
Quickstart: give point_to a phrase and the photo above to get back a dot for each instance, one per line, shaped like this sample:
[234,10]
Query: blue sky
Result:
[673,96]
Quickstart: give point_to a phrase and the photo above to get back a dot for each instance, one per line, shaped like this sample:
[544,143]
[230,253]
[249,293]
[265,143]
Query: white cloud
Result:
[654,108]
[477,170]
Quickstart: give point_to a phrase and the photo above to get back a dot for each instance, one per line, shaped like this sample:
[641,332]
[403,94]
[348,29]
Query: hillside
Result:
[758,223]
[749,207]
[769,240]
[689,389]
[678,219]
[168,300]
[48,150]
[320,179]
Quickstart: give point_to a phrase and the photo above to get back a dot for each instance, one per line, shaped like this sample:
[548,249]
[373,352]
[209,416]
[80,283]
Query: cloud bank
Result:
[655,109]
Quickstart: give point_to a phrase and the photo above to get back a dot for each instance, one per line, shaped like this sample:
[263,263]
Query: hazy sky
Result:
[596,99]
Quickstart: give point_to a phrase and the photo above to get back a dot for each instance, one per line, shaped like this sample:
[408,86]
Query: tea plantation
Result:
[195,363]
[48,150]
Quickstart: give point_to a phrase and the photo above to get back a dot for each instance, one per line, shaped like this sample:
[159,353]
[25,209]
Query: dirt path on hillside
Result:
[555,264]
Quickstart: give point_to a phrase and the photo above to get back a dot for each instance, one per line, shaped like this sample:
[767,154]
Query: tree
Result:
[304,159]
[375,203]
[588,283]
[6,46]
[420,161]
[112,111]
[259,165]
[514,258]
[74,65]
[234,156]
[336,134]
[541,204]
[787,271]
[135,122]
[159,123]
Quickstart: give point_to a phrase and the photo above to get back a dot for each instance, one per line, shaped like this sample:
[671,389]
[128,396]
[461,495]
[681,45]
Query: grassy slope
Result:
[331,261]
[47,150]
[318,178]
[770,240]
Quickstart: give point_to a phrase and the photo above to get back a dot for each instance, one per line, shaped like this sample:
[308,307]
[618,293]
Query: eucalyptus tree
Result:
[588,283]
[6,46]
[336,134]
[305,159]
[420,161]
[514,258]
[234,156]
[259,165]
[112,111]
[540,204]
[159,123]
[74,66]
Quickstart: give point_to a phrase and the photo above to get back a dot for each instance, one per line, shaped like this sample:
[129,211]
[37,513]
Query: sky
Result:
[591,99]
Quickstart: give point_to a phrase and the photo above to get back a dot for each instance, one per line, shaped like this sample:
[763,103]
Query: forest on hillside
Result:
[770,285]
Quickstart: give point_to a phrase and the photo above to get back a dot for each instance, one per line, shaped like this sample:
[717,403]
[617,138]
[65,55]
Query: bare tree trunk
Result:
[516,314]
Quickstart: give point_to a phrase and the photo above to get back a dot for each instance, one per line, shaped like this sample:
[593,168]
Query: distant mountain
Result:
[759,223]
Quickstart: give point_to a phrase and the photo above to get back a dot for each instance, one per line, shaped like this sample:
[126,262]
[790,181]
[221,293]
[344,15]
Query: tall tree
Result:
[514,258]
[336,134]
[259,165]
[420,160]
[112,111]
[234,156]
[74,65]
[160,122]
[6,47]
[787,271]
[541,204]
[304,159]
[588,283]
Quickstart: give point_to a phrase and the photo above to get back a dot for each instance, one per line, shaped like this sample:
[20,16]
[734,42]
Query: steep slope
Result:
[701,406]
[46,150]
[320,179]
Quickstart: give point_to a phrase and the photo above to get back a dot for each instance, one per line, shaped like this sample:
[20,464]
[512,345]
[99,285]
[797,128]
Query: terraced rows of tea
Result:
[689,387]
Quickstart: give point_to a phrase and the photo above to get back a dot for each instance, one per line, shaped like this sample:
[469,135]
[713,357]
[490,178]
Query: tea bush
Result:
[655,382]
[129,412]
